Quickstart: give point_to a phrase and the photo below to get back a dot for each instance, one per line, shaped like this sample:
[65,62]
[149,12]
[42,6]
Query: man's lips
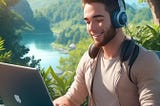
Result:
[97,35]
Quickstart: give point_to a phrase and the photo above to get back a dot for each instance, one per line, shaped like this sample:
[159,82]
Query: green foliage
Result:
[40,22]
[142,17]
[70,62]
[2,2]
[57,84]
[68,66]
[11,26]
[66,19]
[139,16]
[8,2]
[147,36]
[71,35]
[1,44]
[4,56]
[11,2]
[142,1]
[34,62]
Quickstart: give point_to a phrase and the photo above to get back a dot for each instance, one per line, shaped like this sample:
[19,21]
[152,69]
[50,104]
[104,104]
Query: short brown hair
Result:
[110,5]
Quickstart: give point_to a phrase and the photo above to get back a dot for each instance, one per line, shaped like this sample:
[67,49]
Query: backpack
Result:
[129,50]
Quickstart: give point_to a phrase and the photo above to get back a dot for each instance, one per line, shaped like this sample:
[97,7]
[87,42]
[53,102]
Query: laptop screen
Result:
[22,86]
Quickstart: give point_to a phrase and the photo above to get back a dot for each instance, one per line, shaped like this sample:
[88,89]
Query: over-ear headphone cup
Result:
[123,18]
[118,15]
[93,51]
[119,18]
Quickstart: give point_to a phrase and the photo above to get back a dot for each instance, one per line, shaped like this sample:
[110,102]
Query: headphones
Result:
[119,16]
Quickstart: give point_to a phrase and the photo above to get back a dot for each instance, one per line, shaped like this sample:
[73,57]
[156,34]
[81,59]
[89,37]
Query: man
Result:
[105,79]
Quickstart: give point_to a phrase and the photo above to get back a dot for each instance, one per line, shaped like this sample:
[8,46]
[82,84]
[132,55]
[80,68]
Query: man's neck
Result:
[112,49]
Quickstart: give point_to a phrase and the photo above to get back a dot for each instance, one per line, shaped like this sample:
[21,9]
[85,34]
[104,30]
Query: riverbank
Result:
[61,48]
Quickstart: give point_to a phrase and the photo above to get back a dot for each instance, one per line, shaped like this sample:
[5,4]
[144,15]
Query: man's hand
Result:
[62,101]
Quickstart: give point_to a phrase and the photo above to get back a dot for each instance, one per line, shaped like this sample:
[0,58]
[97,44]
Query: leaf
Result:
[153,31]
[1,44]
[3,2]
[55,76]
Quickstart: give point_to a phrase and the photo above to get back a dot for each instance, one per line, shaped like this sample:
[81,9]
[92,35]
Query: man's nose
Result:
[92,26]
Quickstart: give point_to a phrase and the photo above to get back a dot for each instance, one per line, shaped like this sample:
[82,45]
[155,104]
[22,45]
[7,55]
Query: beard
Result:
[108,36]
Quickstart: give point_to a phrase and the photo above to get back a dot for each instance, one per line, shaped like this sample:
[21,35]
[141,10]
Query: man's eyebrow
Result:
[98,16]
[95,16]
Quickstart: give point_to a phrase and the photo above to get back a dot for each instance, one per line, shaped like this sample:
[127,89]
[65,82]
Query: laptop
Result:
[22,86]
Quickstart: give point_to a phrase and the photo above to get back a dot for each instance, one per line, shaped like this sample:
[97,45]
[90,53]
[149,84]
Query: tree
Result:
[155,9]
[11,26]
[11,2]
[70,63]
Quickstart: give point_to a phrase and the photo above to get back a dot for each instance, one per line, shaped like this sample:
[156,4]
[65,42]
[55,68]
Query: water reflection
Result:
[49,57]
[40,47]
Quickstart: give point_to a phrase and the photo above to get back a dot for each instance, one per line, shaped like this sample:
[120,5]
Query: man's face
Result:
[98,23]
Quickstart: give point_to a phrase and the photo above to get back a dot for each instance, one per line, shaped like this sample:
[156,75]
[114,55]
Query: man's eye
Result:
[99,20]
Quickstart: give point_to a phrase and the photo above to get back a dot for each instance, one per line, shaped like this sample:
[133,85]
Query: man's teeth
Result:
[96,35]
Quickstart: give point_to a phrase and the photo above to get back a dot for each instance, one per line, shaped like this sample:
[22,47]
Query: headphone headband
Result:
[121,5]
[119,17]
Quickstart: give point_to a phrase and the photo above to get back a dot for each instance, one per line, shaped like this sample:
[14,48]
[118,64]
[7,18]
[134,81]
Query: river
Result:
[40,47]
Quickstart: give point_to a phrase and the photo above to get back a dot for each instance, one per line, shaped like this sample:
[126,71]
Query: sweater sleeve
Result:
[148,79]
[78,91]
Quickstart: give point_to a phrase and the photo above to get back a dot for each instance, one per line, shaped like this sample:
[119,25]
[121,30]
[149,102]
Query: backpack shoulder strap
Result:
[132,59]
[129,51]
[127,48]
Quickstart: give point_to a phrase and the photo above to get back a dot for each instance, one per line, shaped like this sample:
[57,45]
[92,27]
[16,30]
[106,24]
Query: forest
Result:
[66,24]
[64,19]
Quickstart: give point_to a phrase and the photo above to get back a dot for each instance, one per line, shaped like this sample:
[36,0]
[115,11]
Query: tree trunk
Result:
[155,9]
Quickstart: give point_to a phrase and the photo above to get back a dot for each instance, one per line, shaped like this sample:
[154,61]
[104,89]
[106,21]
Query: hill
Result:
[39,23]
[65,18]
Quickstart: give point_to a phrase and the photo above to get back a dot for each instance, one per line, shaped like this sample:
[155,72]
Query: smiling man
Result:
[103,77]
[98,24]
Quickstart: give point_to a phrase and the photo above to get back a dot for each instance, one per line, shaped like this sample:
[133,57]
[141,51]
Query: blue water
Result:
[48,57]
[41,48]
